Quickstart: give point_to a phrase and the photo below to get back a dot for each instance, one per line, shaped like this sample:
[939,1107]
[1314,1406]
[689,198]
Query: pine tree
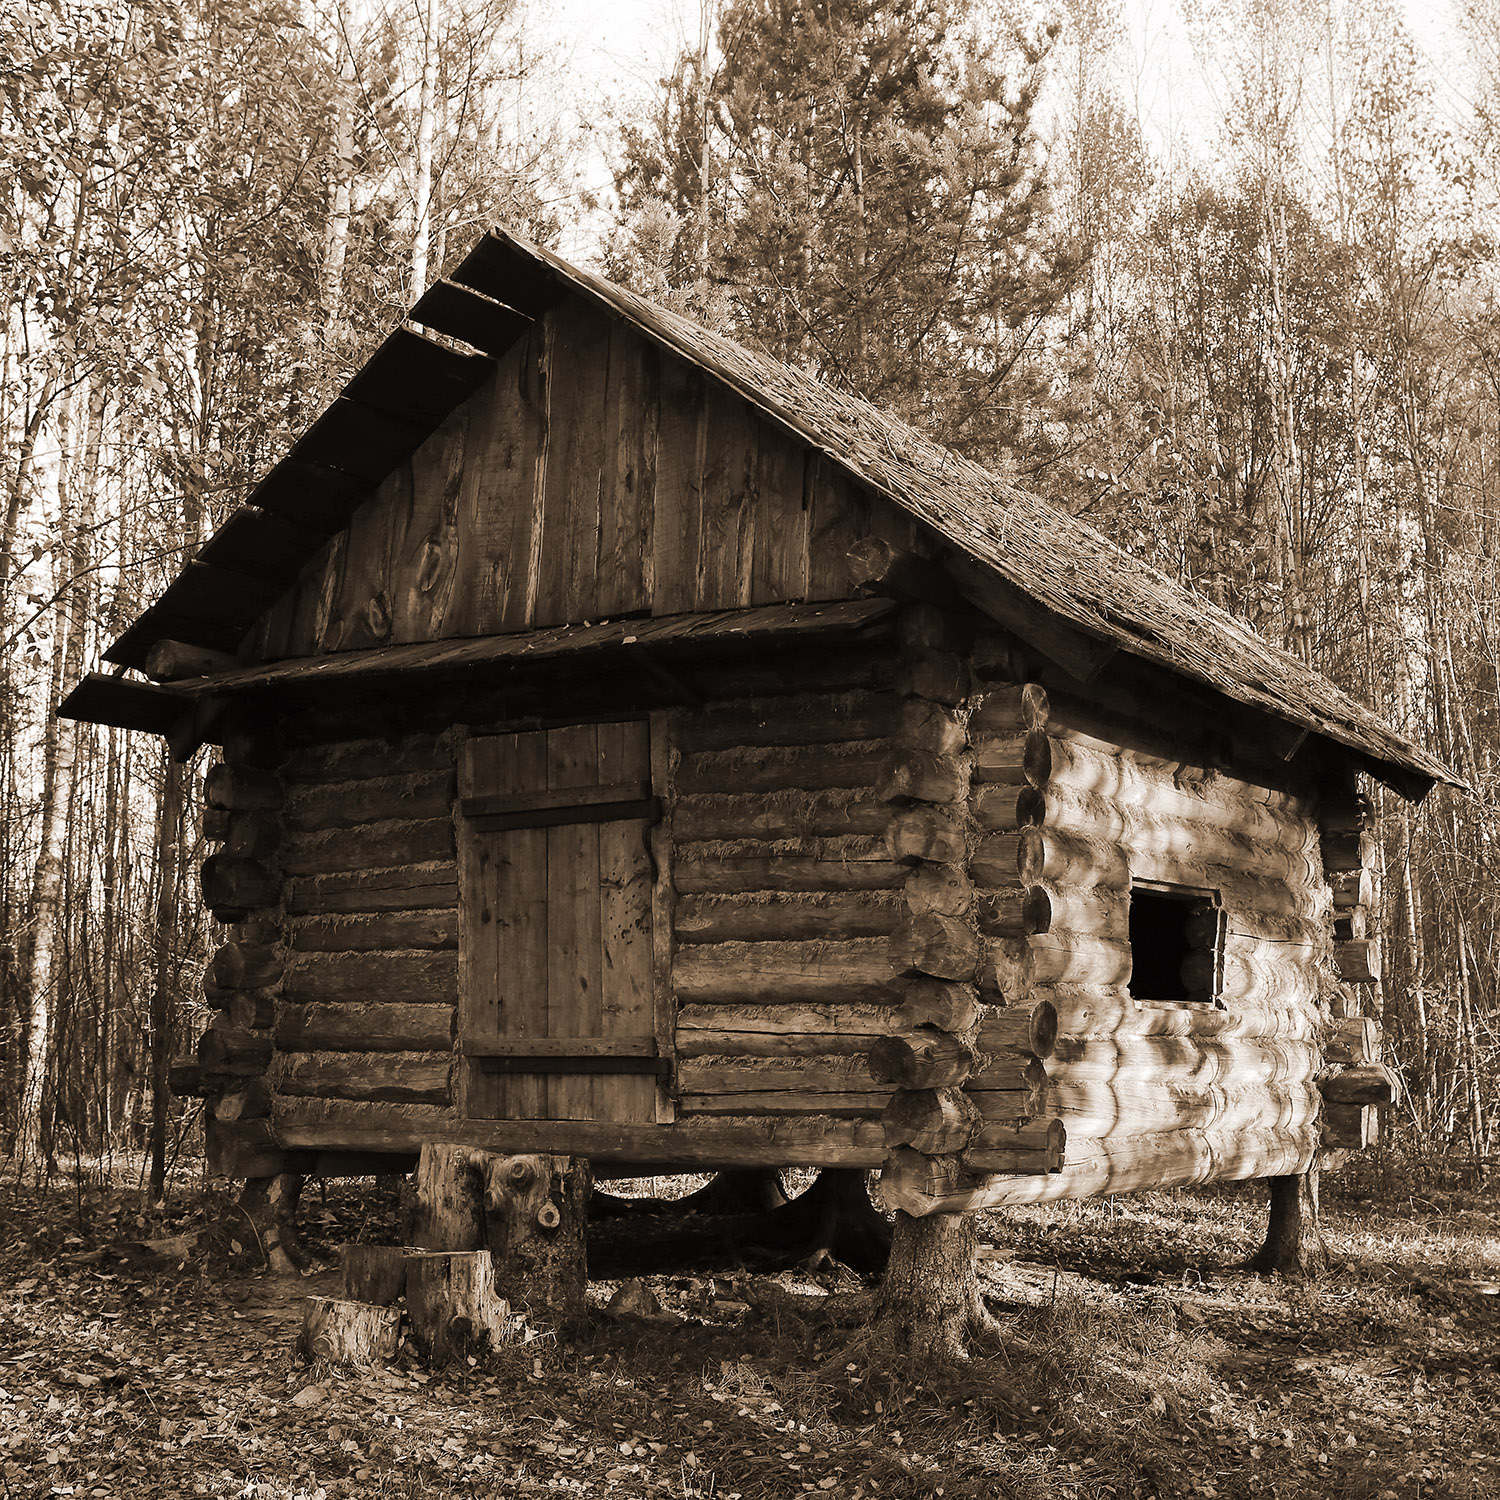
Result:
[864,185]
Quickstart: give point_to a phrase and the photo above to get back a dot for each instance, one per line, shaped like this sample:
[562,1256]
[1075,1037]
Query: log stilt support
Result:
[930,1304]
[535,1217]
[270,1206]
[528,1212]
[357,1333]
[1294,1245]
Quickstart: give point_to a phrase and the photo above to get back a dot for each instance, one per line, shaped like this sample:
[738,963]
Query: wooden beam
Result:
[123,704]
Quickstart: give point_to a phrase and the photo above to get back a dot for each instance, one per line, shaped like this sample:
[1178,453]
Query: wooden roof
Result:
[1060,570]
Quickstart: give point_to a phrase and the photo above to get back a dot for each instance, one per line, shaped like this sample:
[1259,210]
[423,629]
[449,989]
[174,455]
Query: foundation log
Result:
[1000,1147]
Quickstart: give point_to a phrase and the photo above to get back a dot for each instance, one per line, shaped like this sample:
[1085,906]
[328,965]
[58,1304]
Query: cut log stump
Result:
[375,1273]
[453,1306]
[352,1332]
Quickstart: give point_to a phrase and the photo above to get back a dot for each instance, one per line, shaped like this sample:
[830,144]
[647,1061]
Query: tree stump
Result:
[535,1217]
[270,1205]
[1294,1245]
[353,1332]
[930,1303]
[451,1300]
[374,1273]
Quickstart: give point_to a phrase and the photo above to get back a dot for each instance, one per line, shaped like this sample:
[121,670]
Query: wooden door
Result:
[556,1012]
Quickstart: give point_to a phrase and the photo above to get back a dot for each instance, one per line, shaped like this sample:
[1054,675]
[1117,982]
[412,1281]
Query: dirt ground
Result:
[141,1356]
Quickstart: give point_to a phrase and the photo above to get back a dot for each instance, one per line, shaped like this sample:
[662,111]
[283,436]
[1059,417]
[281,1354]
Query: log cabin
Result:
[634,749]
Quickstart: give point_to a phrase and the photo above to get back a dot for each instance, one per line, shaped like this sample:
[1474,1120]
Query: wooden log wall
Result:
[967,1062]
[242,887]
[785,899]
[1354,1085]
[1077,794]
[369,990]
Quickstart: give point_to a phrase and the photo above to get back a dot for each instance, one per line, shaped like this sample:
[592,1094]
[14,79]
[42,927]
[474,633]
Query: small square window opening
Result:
[1176,944]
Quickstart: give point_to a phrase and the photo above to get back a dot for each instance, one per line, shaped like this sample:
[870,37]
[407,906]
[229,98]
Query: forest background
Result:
[1263,354]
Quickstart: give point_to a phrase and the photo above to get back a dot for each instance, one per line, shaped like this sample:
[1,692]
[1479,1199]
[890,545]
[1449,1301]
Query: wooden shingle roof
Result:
[1065,569]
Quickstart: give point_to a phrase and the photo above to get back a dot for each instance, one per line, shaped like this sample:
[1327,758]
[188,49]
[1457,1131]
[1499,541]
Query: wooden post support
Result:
[357,1333]
[1294,1238]
[445,1211]
[535,1215]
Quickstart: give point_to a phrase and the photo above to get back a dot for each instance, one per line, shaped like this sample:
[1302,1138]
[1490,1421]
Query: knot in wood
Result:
[548,1217]
[522,1173]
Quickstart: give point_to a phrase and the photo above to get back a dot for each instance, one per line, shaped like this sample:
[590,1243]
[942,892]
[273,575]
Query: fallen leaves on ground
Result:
[133,1362]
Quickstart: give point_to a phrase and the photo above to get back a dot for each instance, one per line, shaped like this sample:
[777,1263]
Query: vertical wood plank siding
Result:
[590,478]
[1155,1093]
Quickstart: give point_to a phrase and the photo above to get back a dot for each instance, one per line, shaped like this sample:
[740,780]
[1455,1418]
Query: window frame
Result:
[1198,896]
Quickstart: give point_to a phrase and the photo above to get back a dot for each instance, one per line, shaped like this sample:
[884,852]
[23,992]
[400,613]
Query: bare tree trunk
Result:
[422,186]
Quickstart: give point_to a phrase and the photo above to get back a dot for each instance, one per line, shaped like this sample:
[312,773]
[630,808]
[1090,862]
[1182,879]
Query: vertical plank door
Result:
[556,1013]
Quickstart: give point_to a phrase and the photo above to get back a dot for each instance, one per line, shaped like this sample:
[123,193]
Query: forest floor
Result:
[136,1359]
